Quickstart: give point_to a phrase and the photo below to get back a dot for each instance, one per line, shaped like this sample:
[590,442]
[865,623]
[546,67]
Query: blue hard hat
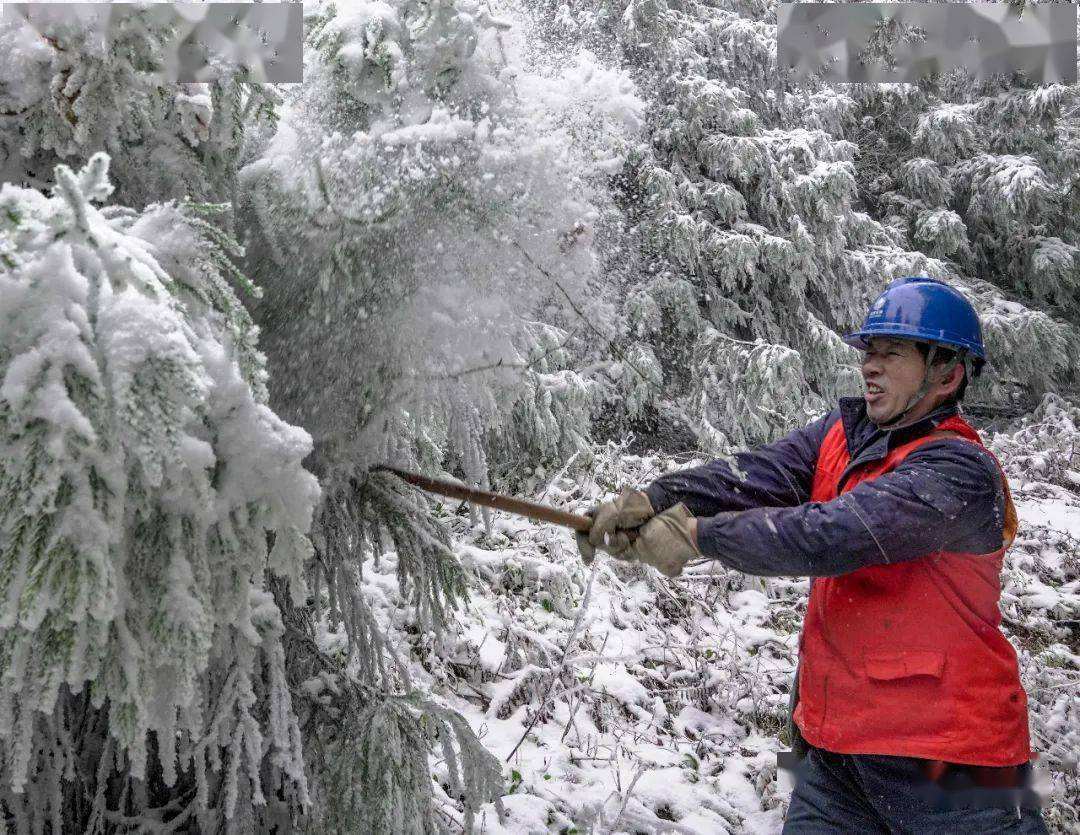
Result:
[922,309]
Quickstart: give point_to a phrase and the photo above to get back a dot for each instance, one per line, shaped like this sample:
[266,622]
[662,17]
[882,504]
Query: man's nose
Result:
[870,365]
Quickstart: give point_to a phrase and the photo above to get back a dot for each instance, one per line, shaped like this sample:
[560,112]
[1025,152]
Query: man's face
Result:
[892,371]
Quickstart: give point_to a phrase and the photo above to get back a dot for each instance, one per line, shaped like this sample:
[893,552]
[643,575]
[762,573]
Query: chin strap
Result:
[924,386]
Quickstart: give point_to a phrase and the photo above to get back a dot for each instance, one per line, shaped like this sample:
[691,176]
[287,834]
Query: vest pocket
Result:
[894,665]
[908,702]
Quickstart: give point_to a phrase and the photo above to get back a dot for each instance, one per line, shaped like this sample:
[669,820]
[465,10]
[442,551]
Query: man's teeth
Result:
[873,389]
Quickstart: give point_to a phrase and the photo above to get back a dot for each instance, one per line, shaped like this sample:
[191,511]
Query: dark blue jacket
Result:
[759,519]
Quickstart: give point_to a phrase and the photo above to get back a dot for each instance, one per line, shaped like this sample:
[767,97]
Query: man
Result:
[908,712]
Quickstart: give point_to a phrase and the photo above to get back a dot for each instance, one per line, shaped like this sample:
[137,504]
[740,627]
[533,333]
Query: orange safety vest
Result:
[907,658]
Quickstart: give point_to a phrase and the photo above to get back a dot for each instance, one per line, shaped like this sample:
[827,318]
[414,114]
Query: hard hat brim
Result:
[860,339]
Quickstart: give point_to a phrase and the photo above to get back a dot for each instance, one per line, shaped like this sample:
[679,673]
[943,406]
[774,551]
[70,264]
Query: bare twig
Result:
[558,475]
[592,676]
[626,797]
[557,673]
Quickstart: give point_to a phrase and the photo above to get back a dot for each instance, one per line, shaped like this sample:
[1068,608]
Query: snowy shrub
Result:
[1045,448]
[1040,606]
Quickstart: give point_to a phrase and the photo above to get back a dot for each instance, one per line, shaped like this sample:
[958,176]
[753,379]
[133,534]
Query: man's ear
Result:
[953,379]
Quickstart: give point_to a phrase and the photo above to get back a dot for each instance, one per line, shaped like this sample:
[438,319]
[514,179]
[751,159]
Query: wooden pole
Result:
[499,501]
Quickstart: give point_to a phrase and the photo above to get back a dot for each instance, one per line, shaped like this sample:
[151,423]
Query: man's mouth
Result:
[873,392]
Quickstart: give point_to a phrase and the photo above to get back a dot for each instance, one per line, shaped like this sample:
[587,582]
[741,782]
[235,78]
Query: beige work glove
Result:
[628,511]
[667,542]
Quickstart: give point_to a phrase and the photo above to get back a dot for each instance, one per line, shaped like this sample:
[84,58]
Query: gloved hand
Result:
[629,510]
[667,542]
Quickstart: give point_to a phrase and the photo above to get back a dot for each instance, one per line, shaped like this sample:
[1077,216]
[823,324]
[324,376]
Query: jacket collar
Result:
[867,442]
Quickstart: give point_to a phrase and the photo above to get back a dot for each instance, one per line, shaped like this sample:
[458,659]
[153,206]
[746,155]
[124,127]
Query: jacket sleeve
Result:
[773,475]
[944,495]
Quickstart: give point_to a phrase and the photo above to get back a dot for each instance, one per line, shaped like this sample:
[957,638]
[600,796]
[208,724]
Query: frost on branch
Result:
[942,232]
[141,474]
[376,783]
[372,732]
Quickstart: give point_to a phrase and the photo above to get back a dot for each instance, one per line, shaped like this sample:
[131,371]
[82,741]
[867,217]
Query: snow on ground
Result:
[1052,514]
[663,712]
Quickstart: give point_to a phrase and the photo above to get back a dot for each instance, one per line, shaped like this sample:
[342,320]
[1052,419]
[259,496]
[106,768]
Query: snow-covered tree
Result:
[420,222]
[982,177]
[141,659]
[155,556]
[85,82]
[417,239]
[744,214]
[472,220]
[773,215]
